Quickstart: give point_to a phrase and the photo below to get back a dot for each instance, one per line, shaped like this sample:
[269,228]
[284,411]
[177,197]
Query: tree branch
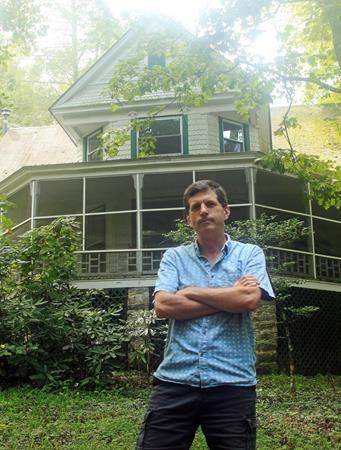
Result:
[313,80]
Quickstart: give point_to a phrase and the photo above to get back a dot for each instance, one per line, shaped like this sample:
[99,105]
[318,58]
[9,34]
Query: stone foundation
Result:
[265,329]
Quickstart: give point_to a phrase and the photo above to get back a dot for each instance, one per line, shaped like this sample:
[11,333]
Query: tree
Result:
[308,32]
[28,101]
[20,25]
[88,30]
[219,61]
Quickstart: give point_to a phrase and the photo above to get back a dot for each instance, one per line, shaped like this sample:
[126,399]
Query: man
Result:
[208,290]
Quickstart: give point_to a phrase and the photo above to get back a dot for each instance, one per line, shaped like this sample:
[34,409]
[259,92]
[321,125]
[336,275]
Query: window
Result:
[233,137]
[168,134]
[164,190]
[280,191]
[59,197]
[94,151]
[156,60]
[21,208]
[233,181]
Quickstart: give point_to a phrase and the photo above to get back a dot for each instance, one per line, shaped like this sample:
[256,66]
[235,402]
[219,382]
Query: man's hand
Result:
[180,307]
[243,296]
[247,281]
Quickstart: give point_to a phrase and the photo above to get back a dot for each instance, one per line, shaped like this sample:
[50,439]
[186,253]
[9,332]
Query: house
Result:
[126,204]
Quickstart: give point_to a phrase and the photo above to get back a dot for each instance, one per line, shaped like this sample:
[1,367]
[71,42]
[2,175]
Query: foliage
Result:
[50,333]
[323,177]
[34,418]
[28,101]
[308,31]
[219,62]
[81,31]
[89,29]
[5,222]
[20,25]
[143,331]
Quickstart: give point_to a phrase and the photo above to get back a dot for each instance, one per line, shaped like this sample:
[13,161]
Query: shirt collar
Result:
[224,248]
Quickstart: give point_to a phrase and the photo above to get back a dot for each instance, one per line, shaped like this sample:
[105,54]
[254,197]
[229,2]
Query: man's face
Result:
[205,213]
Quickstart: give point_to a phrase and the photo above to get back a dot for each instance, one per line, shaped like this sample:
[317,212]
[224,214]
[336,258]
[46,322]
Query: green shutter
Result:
[85,149]
[185,134]
[133,143]
[221,135]
[246,131]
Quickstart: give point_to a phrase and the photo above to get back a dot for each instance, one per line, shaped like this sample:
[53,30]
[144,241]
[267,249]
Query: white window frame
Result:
[234,140]
[166,135]
[99,131]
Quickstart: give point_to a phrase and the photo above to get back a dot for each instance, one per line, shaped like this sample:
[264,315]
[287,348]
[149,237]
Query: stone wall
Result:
[265,330]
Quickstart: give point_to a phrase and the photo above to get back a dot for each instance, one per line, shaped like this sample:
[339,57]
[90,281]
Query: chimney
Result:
[5,112]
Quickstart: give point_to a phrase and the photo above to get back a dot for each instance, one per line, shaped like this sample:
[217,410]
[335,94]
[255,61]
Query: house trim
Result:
[150,282]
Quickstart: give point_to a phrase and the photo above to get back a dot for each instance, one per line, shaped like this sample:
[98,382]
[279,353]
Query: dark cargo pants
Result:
[226,415]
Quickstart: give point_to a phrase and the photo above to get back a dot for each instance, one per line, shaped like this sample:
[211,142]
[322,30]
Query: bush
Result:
[50,333]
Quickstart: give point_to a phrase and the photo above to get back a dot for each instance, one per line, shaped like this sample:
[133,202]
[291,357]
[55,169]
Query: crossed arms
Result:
[193,302]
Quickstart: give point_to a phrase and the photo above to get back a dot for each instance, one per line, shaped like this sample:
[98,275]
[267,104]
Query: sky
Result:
[187,12]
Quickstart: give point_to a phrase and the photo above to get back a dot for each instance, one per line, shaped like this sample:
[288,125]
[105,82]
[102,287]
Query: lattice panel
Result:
[316,339]
[328,268]
[151,260]
[108,263]
[297,264]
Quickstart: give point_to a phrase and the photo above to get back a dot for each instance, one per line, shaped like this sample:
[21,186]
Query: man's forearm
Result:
[179,307]
[233,299]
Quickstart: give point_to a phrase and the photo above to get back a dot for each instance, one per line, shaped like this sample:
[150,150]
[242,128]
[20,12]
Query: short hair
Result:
[204,186]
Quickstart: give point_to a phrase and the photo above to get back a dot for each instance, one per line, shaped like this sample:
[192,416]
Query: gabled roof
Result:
[89,89]
[31,146]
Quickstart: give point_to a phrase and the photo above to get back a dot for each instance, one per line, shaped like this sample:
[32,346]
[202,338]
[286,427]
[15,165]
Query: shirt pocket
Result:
[227,277]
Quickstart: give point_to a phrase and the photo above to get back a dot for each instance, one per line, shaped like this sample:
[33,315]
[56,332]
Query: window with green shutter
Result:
[171,136]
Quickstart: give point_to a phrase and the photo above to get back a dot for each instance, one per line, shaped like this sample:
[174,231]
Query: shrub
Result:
[50,333]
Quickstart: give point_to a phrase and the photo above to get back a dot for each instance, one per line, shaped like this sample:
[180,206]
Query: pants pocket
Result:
[140,440]
[251,425]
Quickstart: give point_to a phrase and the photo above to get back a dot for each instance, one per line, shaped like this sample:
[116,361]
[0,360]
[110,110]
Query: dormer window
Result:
[93,144]
[156,60]
[233,137]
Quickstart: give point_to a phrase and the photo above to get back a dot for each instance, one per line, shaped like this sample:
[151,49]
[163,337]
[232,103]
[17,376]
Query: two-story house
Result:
[126,204]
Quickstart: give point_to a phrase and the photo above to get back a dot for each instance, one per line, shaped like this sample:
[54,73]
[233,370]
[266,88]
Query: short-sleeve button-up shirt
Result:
[219,348]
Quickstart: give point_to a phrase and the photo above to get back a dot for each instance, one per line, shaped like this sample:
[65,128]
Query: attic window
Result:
[233,135]
[156,60]
[94,150]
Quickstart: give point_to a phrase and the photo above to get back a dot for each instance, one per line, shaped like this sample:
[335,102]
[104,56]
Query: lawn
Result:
[36,419]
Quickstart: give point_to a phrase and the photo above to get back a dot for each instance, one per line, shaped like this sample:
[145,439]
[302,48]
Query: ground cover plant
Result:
[78,419]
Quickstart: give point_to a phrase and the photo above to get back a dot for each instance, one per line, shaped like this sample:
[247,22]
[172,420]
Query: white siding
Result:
[197,134]
[254,139]
[213,133]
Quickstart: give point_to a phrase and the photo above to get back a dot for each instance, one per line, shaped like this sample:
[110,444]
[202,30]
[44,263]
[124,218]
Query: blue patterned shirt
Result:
[219,348]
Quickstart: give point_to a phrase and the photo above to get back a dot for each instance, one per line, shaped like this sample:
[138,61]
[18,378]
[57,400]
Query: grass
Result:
[37,419]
